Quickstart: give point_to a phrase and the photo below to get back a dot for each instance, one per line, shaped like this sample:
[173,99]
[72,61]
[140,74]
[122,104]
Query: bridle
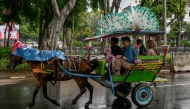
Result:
[13,61]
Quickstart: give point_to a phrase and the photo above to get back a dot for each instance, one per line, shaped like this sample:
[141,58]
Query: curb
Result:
[5,77]
[164,71]
[15,77]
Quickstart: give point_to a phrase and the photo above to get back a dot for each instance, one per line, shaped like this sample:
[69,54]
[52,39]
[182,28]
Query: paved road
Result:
[17,93]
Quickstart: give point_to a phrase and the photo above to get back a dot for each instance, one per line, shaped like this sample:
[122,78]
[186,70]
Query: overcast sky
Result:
[124,3]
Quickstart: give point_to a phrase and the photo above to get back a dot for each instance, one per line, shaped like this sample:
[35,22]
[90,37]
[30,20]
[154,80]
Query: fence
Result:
[97,50]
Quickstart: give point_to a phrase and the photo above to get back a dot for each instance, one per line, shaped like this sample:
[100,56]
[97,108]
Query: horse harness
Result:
[54,61]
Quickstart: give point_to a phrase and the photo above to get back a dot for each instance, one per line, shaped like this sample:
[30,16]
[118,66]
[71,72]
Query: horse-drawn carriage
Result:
[145,73]
[46,69]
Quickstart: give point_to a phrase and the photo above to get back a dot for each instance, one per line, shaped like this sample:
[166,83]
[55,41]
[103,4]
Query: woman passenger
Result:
[152,49]
[142,49]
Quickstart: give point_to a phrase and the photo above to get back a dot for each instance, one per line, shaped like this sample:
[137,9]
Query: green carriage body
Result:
[145,71]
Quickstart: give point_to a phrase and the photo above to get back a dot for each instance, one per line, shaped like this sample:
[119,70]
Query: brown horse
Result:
[78,64]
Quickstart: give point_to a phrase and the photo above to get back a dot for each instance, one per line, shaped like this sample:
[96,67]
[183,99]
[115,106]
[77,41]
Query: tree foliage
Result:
[174,32]
[172,7]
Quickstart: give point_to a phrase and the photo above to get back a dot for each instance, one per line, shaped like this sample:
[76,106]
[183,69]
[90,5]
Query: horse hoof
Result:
[28,107]
[88,103]
[73,103]
[86,106]
[58,104]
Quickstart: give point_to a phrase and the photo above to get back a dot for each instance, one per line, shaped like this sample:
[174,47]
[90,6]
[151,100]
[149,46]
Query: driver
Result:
[126,59]
[115,49]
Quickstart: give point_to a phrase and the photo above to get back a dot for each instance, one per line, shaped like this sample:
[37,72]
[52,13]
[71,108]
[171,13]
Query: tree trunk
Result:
[104,43]
[72,36]
[112,6]
[9,33]
[65,31]
[108,6]
[59,19]
[5,35]
[116,5]
[105,7]
[171,21]
[40,42]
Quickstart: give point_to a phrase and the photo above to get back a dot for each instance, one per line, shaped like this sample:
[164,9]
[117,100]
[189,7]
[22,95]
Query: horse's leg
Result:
[44,89]
[32,103]
[79,82]
[90,88]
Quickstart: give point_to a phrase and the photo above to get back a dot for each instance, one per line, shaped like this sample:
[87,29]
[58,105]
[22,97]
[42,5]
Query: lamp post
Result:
[165,47]
[179,40]
[165,34]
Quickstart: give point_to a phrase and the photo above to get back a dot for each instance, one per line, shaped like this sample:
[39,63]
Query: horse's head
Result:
[94,63]
[14,61]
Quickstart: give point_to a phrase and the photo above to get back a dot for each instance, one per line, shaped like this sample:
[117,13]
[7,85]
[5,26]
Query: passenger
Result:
[152,49]
[115,49]
[142,49]
[126,59]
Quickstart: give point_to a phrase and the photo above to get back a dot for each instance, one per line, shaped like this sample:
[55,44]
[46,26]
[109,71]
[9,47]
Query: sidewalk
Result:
[15,75]
[164,71]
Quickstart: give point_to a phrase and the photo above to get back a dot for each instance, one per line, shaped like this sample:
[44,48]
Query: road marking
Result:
[173,85]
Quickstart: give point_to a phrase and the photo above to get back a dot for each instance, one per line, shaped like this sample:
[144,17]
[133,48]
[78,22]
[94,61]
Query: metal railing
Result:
[97,50]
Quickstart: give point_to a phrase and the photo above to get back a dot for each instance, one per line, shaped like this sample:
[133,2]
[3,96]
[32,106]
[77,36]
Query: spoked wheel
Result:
[142,95]
[122,90]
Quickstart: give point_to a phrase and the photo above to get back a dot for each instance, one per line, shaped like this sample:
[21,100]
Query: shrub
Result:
[5,52]
[4,59]
[185,43]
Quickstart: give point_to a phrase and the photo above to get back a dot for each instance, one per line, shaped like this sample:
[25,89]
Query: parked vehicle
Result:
[32,44]
[59,44]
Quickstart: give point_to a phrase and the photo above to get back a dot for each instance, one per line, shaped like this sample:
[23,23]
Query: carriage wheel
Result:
[142,95]
[122,90]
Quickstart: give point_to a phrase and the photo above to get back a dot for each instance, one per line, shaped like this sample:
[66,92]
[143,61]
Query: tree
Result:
[174,32]
[115,5]
[186,27]
[73,21]
[173,8]
[15,11]
[58,21]
[45,18]
[26,32]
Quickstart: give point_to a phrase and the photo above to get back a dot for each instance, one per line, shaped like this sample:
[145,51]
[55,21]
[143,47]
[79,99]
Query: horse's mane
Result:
[93,63]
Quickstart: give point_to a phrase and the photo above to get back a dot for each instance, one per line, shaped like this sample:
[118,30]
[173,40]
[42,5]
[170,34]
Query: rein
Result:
[79,75]
[14,62]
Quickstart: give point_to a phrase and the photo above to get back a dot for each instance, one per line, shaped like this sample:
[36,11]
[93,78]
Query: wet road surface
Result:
[17,94]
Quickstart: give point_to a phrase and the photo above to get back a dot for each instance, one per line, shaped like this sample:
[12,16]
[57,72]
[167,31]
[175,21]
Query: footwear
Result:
[117,74]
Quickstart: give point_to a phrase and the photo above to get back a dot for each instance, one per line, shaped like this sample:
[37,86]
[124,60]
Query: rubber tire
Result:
[137,90]
[122,91]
